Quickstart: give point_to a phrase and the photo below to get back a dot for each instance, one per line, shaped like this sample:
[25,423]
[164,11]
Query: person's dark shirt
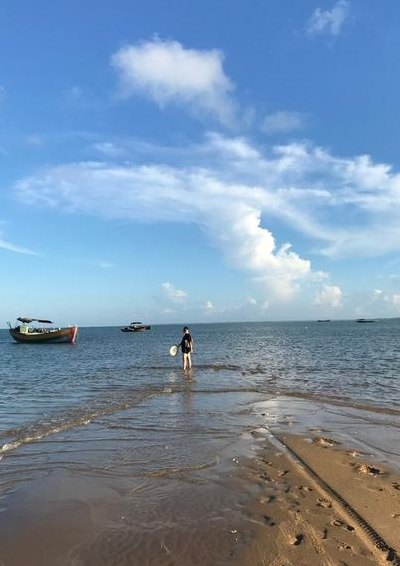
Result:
[186,343]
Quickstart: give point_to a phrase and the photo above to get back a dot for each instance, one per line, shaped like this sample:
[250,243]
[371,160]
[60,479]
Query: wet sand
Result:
[322,504]
[287,492]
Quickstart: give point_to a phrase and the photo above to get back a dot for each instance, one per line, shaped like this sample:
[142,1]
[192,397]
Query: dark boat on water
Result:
[365,320]
[23,332]
[136,327]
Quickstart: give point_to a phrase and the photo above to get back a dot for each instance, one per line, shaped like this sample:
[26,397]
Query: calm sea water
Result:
[110,435]
[54,387]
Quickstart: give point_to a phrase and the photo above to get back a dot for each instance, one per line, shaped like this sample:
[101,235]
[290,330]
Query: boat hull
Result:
[137,329]
[61,335]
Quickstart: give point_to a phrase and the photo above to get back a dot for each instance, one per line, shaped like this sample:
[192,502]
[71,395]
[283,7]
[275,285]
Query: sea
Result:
[114,425]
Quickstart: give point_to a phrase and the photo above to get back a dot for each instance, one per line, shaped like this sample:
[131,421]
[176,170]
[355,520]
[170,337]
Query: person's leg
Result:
[184,359]
[189,360]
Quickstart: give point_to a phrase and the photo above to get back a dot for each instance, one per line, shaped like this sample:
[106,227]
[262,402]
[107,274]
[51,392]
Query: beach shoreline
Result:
[322,503]
[258,502]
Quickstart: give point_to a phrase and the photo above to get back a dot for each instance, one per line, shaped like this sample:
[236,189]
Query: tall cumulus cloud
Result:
[230,188]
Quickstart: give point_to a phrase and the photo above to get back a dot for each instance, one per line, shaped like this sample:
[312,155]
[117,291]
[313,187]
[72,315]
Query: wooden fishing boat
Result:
[136,327]
[24,332]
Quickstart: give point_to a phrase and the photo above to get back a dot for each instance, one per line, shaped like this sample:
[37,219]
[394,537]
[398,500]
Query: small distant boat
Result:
[365,320]
[324,320]
[136,327]
[23,332]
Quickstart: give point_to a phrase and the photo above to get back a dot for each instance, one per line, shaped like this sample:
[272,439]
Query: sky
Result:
[183,162]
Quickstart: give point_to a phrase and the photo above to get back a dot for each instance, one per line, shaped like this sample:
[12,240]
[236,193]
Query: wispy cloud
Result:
[72,96]
[104,264]
[34,140]
[393,299]
[168,311]
[172,293]
[169,73]
[109,149]
[328,22]
[6,245]
[230,188]
[283,122]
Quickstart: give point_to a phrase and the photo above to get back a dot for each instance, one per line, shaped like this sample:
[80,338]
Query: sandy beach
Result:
[323,504]
[286,455]
[271,497]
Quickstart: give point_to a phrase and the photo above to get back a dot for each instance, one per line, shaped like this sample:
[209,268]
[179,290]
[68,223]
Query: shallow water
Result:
[55,387]
[146,448]
[108,378]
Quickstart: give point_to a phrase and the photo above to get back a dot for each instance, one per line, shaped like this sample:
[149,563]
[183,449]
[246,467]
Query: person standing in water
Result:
[186,345]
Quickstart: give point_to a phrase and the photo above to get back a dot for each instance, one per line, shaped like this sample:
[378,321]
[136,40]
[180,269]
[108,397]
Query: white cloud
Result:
[172,293]
[393,299]
[167,72]
[233,147]
[209,306]
[5,245]
[282,122]
[167,311]
[328,22]
[109,149]
[329,296]
[34,140]
[73,95]
[343,206]
[105,264]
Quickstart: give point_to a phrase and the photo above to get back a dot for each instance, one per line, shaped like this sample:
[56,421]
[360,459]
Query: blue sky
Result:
[199,161]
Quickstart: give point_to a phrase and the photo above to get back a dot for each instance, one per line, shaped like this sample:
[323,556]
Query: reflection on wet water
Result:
[108,379]
[113,433]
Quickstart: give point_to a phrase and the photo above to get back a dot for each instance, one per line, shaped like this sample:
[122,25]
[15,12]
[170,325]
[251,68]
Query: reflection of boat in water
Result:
[41,334]
[365,320]
[136,327]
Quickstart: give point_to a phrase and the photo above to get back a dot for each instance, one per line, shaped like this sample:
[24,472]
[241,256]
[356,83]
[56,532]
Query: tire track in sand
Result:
[375,541]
